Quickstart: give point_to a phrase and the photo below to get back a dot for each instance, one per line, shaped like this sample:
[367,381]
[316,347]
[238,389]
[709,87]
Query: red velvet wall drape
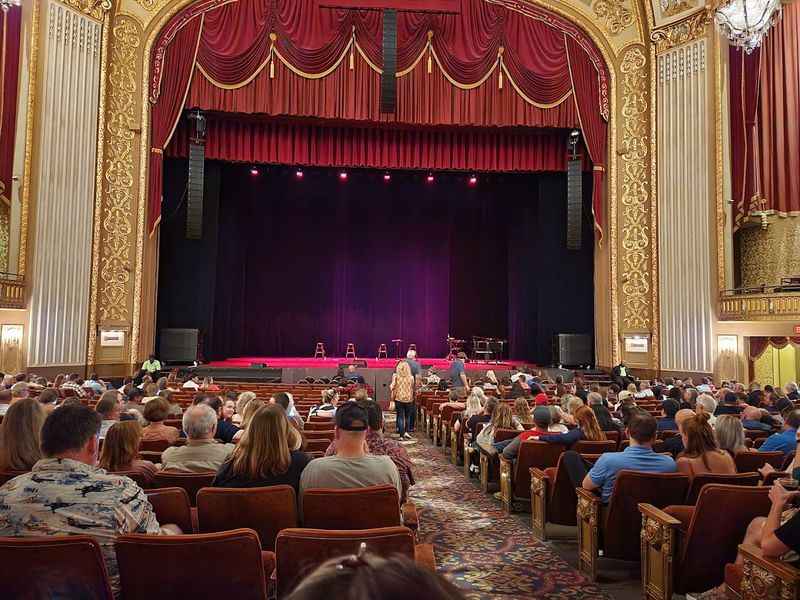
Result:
[486,66]
[765,110]
[10,23]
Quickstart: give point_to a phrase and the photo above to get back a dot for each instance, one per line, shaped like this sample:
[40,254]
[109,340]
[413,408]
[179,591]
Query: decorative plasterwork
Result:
[615,14]
[94,8]
[636,234]
[670,8]
[681,32]
[116,260]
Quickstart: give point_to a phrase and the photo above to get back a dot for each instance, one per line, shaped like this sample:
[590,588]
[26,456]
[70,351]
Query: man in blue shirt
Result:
[639,456]
[786,440]
[667,422]
[457,373]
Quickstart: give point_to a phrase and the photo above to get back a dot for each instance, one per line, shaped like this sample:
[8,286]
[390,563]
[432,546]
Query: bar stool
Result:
[319,351]
[351,351]
[382,351]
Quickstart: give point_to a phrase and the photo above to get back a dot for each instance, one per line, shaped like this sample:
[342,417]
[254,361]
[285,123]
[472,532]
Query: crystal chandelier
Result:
[746,22]
[7,4]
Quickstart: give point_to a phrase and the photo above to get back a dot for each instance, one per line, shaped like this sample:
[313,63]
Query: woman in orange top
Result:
[155,411]
[702,453]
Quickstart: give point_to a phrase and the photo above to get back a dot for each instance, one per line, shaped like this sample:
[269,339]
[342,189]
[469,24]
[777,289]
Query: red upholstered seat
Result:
[733,577]
[748,462]
[53,567]
[171,506]
[704,479]
[191,482]
[591,447]
[357,508]
[194,566]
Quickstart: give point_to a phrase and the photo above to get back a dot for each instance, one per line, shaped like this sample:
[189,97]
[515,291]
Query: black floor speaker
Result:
[572,349]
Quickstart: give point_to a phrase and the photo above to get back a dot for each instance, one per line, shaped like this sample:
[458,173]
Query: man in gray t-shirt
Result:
[352,467]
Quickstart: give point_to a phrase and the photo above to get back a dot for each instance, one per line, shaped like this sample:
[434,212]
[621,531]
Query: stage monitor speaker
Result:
[194,193]
[572,349]
[259,365]
[388,78]
[574,203]
[178,345]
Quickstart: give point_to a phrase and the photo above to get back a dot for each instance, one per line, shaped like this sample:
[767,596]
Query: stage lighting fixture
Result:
[429,179]
[299,174]
[254,171]
[473,180]
[387,177]
[343,176]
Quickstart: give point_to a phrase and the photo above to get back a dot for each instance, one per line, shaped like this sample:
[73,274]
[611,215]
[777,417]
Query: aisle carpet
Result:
[481,549]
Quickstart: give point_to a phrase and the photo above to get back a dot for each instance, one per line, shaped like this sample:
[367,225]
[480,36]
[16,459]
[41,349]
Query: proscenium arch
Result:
[606,296]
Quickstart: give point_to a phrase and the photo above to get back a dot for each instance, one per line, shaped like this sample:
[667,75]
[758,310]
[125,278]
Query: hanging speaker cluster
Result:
[574,194]
[196,183]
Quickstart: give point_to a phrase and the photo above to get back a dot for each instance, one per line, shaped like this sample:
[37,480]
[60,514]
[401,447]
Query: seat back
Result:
[191,482]
[327,434]
[502,435]
[591,447]
[356,508]
[142,480]
[171,506]
[317,445]
[747,462]
[312,425]
[714,535]
[53,567]
[614,436]
[623,522]
[703,479]
[194,565]
[266,510]
[533,454]
[563,501]
[299,551]
[154,445]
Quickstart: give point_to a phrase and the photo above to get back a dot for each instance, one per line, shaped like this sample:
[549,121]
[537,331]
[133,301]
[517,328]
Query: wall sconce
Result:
[727,343]
[11,348]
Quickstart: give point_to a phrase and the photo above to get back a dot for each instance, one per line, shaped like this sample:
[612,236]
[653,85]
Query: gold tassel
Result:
[500,80]
[430,62]
[272,68]
[352,59]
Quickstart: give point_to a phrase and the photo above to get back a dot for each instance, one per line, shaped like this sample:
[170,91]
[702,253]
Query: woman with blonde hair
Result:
[522,411]
[121,450]
[241,403]
[474,406]
[250,410]
[263,457]
[19,435]
[402,392]
[502,418]
[730,434]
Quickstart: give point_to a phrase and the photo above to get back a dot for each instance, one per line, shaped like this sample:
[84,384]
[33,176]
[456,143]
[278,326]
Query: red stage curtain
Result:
[290,142]
[765,110]
[486,65]
[10,22]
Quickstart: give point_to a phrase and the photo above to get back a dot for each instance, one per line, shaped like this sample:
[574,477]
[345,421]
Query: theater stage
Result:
[332,362]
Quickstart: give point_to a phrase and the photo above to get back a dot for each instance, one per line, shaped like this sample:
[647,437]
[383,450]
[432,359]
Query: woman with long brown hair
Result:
[19,435]
[587,429]
[502,418]
[121,450]
[701,452]
[264,454]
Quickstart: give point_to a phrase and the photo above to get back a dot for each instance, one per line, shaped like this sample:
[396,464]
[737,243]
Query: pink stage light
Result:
[473,180]
[429,178]
[254,171]
[387,177]
[343,176]
[299,173]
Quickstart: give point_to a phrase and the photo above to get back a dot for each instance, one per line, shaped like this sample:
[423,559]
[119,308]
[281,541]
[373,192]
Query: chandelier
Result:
[6,5]
[746,22]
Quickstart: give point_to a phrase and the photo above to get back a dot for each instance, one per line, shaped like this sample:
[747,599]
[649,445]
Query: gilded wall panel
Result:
[769,254]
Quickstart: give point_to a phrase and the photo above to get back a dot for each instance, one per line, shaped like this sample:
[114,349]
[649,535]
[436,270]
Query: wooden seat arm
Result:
[537,473]
[587,496]
[410,516]
[783,570]
[504,460]
[651,512]
[424,557]
[588,515]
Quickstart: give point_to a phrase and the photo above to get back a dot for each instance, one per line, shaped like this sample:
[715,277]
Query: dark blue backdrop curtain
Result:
[318,259]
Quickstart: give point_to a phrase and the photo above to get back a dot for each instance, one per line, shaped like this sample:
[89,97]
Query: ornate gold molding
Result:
[94,8]
[686,30]
[636,232]
[616,15]
[117,226]
[670,8]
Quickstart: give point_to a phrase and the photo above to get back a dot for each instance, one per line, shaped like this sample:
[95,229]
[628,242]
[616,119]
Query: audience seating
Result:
[747,462]
[171,506]
[515,476]
[703,479]
[688,554]
[553,498]
[357,508]
[301,550]
[327,434]
[154,445]
[266,510]
[618,525]
[194,566]
[142,480]
[456,439]
[191,482]
[490,463]
[317,446]
[53,567]
[153,457]
[760,577]
[592,447]
[326,425]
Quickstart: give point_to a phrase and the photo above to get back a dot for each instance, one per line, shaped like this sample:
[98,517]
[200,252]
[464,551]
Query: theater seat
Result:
[515,477]
[747,462]
[490,463]
[171,506]
[553,498]
[266,510]
[206,565]
[357,508]
[317,445]
[142,480]
[53,567]
[299,551]
[592,447]
[154,445]
[760,577]
[191,482]
[703,479]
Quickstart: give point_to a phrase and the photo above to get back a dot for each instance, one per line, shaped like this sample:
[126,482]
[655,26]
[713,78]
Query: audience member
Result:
[667,422]
[228,410]
[48,398]
[326,410]
[241,403]
[484,417]
[502,418]
[109,409]
[202,452]
[791,391]
[542,419]
[556,420]
[522,411]
[457,375]
[94,384]
[402,393]
[674,444]
[352,466]
[121,450]
[786,440]
[73,384]
[473,407]
[263,456]
[66,494]
[225,429]
[193,383]
[587,429]
[20,434]
[19,391]
[730,434]
[707,404]
[604,418]
[155,412]
[701,451]
[286,400]
[752,419]
[729,405]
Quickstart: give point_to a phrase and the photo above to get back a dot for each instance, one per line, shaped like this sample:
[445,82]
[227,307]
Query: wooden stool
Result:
[382,351]
[319,351]
[351,351]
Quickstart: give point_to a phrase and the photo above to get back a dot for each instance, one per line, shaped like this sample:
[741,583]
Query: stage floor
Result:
[332,362]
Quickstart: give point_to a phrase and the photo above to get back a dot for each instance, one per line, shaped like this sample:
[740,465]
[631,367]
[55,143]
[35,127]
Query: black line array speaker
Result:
[572,349]
[194,194]
[178,345]
[574,203]
[388,79]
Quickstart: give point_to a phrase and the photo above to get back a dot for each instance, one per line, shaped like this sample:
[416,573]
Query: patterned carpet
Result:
[479,547]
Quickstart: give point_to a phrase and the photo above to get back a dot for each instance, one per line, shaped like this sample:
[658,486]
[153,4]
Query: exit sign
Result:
[797,329]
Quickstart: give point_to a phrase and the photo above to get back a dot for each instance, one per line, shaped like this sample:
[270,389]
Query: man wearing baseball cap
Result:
[352,466]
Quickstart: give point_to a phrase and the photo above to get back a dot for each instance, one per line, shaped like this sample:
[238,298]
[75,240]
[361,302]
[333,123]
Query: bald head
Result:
[682,415]
[751,413]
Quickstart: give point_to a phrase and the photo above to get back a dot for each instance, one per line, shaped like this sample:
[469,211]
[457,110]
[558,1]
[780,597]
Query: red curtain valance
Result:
[758,345]
[486,65]
[10,28]
[349,145]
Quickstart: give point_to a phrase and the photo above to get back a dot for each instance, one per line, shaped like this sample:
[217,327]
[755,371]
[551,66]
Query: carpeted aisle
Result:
[479,547]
